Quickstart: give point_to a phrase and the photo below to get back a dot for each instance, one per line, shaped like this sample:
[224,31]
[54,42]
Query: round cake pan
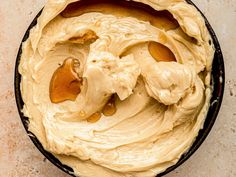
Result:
[217,81]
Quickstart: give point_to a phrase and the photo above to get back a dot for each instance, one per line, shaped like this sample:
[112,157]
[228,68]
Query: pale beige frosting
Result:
[161,106]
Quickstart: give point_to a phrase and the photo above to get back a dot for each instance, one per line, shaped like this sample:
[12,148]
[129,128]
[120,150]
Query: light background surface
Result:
[18,156]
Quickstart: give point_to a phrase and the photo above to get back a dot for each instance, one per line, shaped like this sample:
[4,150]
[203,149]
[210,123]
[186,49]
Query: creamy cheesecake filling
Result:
[117,90]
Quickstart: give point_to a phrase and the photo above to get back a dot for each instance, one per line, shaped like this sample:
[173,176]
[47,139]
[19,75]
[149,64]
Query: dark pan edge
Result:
[210,119]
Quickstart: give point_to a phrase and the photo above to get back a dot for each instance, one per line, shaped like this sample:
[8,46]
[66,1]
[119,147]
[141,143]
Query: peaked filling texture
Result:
[160,105]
